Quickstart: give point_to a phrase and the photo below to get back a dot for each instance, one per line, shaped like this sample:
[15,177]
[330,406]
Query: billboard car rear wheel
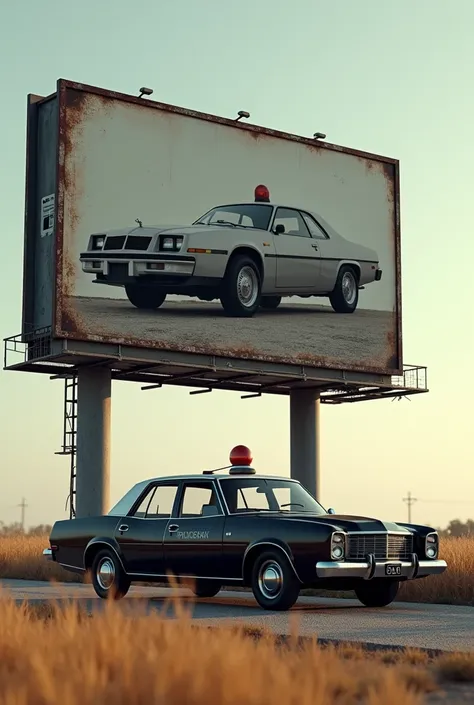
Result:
[377,593]
[146,297]
[108,577]
[345,297]
[274,583]
[241,287]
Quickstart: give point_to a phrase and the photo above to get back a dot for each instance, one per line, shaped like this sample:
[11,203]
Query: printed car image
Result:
[247,255]
[246,529]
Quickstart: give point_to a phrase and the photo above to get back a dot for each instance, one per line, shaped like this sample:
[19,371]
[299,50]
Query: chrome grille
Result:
[383,546]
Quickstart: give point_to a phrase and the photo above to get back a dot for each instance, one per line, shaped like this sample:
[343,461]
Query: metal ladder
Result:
[69,445]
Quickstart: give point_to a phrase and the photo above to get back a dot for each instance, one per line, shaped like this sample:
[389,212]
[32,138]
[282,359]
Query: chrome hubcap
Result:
[349,288]
[247,286]
[270,579]
[105,573]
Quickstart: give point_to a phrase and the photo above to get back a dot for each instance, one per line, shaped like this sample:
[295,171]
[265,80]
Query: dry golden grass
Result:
[126,656]
[21,557]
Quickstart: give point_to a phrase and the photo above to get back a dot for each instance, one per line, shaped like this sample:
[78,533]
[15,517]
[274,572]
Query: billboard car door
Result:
[298,257]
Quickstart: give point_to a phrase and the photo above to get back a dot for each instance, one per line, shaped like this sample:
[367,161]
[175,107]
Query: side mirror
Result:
[331,510]
[279,229]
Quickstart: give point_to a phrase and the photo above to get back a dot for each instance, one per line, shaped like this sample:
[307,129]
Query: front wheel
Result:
[345,296]
[241,287]
[377,593]
[145,297]
[274,583]
[108,577]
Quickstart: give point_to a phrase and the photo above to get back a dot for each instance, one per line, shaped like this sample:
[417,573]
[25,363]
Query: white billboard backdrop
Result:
[124,162]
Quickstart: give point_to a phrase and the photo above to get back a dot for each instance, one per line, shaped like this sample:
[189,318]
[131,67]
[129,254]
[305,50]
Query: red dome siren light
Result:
[241,458]
[262,194]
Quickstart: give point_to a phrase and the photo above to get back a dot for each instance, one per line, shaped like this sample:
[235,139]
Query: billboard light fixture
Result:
[145,91]
[242,114]
[319,135]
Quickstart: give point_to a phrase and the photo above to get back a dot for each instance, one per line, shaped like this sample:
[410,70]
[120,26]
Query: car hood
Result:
[343,522]
[168,229]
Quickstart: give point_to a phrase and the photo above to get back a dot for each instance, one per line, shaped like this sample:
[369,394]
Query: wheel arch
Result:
[96,545]
[257,548]
[353,264]
[252,252]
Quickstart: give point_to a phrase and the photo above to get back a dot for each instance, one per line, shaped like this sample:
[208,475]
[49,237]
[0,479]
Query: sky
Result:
[390,78]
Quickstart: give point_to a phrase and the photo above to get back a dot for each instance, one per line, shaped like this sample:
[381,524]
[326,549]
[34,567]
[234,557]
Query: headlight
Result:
[172,243]
[98,242]
[338,546]
[432,545]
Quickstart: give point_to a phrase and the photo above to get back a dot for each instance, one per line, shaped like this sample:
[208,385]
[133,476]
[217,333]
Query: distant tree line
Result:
[455,528]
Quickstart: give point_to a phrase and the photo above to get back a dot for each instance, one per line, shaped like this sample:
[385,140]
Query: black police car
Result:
[240,528]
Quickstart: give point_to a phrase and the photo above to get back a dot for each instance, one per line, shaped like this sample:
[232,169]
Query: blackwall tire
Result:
[241,288]
[108,577]
[144,297]
[270,302]
[274,583]
[345,296]
[379,592]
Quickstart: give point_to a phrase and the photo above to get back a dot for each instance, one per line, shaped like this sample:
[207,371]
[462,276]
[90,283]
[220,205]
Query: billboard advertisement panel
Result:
[188,232]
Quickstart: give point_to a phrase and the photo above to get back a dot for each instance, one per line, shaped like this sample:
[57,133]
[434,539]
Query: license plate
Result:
[393,569]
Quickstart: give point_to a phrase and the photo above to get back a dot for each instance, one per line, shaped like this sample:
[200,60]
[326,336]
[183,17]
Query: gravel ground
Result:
[312,334]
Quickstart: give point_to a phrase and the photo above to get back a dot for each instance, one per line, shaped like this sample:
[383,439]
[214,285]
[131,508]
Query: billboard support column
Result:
[305,439]
[94,390]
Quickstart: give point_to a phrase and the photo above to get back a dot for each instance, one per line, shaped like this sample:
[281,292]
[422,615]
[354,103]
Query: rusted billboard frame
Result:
[64,86]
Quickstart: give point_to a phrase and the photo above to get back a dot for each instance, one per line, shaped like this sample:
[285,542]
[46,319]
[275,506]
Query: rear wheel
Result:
[146,297]
[108,577]
[206,588]
[274,583]
[345,296]
[270,302]
[378,592]
[241,287]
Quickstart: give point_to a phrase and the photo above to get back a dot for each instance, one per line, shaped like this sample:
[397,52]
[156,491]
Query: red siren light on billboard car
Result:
[262,193]
[240,458]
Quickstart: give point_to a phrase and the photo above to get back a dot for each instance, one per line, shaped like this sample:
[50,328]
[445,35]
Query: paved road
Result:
[294,331]
[401,624]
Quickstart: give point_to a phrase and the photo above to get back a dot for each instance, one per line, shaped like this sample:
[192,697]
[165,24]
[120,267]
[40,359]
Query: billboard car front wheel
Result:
[241,287]
[270,302]
[146,297]
[345,295]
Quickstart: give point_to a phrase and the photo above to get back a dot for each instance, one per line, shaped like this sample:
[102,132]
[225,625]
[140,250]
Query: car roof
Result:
[125,503]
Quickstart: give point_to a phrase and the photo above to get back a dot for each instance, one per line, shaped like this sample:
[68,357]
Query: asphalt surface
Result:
[402,624]
[314,334]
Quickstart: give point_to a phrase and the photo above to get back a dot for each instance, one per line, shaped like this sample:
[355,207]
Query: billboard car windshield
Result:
[194,234]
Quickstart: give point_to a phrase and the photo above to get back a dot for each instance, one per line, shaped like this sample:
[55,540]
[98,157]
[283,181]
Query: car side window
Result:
[157,503]
[292,221]
[199,500]
[313,227]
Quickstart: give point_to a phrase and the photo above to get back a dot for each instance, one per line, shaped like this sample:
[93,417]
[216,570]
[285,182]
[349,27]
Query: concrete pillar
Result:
[94,390]
[305,439]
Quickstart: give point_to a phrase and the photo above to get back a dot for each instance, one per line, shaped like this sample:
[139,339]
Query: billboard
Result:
[160,227]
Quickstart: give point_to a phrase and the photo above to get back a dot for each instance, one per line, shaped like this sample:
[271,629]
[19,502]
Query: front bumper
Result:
[136,265]
[48,554]
[367,570]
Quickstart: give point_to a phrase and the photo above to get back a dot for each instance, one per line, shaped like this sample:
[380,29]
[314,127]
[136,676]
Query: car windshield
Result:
[248,215]
[261,495]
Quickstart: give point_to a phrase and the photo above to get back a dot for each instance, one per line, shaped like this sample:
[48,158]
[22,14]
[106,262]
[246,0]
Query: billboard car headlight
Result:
[171,243]
[98,242]
[338,542]
[432,545]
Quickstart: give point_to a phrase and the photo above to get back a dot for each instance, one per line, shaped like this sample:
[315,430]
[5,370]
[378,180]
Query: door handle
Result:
[315,247]
[123,527]
[172,528]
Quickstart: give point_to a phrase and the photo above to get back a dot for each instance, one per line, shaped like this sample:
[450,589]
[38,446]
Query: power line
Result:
[409,500]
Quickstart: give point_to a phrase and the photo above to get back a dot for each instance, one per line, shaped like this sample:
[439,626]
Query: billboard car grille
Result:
[137,242]
[383,546]
[114,242]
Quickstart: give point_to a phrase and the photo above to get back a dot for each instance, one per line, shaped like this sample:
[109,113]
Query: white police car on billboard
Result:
[248,255]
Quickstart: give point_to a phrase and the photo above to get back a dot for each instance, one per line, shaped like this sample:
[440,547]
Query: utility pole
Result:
[409,500]
[23,506]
